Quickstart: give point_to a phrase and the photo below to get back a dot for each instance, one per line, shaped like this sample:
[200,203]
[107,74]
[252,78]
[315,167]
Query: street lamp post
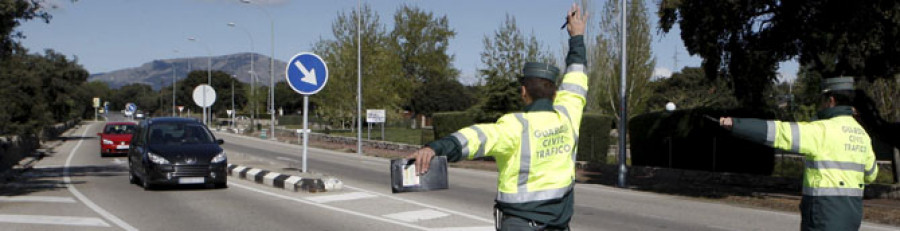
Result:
[233,111]
[174,81]
[252,74]
[271,67]
[208,79]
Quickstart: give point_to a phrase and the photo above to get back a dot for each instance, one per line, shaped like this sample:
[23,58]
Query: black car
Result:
[176,151]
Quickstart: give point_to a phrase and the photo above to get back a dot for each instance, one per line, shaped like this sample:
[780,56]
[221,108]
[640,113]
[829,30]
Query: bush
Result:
[593,139]
[290,120]
[684,139]
[446,123]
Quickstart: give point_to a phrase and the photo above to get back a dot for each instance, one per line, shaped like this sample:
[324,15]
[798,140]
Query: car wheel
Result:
[145,183]
[131,178]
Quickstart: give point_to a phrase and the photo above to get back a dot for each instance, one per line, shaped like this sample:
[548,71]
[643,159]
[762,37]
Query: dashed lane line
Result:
[415,216]
[53,220]
[340,197]
[46,199]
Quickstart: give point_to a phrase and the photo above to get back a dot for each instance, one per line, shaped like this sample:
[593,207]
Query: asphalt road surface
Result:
[76,189]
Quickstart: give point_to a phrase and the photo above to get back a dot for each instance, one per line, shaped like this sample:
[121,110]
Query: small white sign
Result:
[229,112]
[180,109]
[204,95]
[410,177]
[375,116]
[96,102]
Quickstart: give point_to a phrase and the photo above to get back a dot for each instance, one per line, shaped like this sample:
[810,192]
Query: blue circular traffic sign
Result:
[306,73]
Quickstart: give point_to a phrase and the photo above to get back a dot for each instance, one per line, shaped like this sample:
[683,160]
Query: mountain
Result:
[158,73]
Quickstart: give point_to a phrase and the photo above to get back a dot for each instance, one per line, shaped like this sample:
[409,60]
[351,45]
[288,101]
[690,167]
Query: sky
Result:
[109,35]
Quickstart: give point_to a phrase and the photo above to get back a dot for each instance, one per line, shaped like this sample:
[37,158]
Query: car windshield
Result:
[119,129]
[178,134]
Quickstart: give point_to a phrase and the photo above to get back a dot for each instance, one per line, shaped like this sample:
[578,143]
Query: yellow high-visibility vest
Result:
[839,155]
[535,151]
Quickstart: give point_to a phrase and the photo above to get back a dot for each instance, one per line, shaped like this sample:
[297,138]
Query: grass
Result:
[393,134]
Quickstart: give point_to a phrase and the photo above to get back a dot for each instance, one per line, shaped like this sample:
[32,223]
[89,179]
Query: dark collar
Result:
[832,112]
[540,105]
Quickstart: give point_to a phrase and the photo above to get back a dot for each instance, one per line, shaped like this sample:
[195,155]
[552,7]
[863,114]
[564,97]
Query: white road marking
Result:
[479,228]
[287,159]
[119,161]
[37,199]
[84,199]
[416,216]
[470,216]
[327,206]
[340,197]
[53,220]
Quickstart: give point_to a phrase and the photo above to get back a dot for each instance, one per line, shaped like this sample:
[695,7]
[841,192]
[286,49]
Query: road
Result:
[76,189]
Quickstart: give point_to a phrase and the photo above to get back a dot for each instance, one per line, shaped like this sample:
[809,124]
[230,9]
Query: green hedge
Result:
[685,139]
[290,120]
[446,123]
[593,142]
[593,137]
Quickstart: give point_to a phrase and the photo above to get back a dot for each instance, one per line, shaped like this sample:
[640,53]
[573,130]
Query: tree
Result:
[441,95]
[504,56]
[606,66]
[691,89]
[384,85]
[745,40]
[421,41]
[12,14]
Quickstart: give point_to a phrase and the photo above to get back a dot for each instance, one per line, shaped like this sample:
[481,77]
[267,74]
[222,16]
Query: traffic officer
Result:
[839,157]
[535,149]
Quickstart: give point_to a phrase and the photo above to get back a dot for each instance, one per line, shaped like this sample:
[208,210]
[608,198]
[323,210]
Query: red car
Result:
[116,138]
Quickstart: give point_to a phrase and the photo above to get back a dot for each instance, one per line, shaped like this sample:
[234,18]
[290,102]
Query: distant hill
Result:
[158,73]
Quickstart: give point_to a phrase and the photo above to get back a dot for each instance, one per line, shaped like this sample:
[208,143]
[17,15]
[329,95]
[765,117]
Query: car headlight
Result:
[107,142]
[219,158]
[157,159]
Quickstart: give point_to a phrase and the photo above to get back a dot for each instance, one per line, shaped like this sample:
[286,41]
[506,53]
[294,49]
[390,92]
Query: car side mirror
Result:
[220,141]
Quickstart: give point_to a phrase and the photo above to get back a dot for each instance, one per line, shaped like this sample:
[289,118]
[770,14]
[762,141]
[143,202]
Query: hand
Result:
[726,122]
[423,159]
[576,20]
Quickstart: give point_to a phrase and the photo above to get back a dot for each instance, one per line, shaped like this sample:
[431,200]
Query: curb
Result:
[284,181]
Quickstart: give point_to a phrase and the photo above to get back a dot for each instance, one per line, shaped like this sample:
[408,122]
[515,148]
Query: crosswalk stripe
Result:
[418,215]
[477,228]
[53,220]
[37,199]
[340,197]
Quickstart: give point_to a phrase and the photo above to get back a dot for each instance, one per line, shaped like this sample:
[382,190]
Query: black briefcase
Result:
[404,178]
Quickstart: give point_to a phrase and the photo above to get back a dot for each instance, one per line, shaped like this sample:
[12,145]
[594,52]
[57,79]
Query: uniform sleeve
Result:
[781,135]
[480,140]
[572,93]
[871,168]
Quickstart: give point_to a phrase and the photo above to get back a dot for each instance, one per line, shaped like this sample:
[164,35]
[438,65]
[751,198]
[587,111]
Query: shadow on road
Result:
[51,178]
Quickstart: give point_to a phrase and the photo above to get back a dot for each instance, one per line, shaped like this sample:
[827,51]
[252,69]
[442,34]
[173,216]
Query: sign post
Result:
[376,116]
[306,73]
[96,106]
[204,96]
[130,108]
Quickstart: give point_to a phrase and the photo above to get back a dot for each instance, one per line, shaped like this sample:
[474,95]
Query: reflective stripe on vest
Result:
[851,192]
[770,133]
[464,142]
[579,90]
[524,155]
[872,170]
[565,112]
[828,164]
[795,137]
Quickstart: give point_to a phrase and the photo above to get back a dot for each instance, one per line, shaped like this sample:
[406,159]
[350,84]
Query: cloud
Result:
[661,73]
[786,77]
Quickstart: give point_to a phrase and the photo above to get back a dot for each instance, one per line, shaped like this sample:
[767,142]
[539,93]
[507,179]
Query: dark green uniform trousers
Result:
[830,213]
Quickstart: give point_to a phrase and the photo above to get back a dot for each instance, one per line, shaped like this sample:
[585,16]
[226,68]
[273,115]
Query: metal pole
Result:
[252,75]
[233,111]
[174,82]
[272,76]
[358,77]
[305,128]
[209,82]
[623,105]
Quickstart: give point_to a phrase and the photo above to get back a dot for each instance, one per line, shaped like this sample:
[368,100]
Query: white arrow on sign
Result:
[309,76]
